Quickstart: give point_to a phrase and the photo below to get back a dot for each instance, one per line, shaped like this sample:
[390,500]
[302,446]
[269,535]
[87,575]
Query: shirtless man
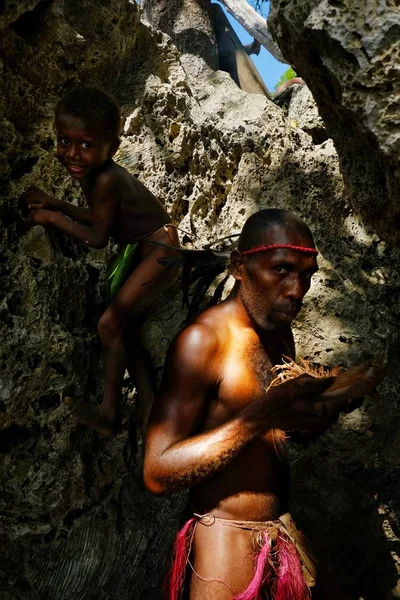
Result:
[214,428]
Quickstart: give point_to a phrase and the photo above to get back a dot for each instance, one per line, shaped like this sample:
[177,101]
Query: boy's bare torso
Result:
[254,485]
[138,212]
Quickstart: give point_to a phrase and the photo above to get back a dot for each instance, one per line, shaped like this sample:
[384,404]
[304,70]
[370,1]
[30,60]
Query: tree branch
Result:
[254,24]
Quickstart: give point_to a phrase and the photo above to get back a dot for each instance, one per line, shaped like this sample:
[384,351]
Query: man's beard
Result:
[257,313]
[262,317]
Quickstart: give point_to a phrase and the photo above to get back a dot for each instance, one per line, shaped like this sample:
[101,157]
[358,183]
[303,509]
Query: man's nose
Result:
[294,287]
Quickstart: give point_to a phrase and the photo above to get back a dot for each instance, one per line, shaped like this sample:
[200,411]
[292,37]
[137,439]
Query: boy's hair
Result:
[93,105]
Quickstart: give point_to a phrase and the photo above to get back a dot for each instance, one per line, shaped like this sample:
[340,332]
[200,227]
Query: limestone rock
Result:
[77,521]
[57,477]
[233,57]
[348,54]
[303,113]
[189,24]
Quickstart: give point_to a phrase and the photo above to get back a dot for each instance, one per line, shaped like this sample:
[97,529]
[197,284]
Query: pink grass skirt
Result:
[285,565]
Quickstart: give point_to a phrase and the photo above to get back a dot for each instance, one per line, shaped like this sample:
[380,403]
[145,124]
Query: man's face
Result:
[81,147]
[274,283]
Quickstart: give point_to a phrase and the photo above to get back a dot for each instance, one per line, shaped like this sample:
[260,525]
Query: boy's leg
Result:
[142,373]
[146,282]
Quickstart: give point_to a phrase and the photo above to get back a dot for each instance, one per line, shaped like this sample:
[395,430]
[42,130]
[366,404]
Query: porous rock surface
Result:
[348,54]
[77,522]
[189,24]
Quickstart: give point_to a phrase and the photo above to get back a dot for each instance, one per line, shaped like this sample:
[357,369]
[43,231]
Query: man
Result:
[216,430]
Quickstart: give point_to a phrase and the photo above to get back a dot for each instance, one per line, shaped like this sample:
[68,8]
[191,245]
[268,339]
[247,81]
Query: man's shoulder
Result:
[194,353]
[204,337]
[198,337]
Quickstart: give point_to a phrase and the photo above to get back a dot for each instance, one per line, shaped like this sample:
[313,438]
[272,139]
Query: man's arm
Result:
[102,217]
[177,455]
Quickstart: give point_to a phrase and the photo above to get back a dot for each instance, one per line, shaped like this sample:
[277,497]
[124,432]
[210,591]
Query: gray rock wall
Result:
[189,23]
[76,520]
[71,525]
[348,54]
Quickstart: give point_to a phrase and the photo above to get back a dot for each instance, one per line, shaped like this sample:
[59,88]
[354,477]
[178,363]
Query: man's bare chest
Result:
[245,375]
[246,369]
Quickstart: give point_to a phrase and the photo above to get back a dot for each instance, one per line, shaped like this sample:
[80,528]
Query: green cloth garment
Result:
[119,270]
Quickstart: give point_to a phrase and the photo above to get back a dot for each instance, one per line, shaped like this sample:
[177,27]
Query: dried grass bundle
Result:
[352,383]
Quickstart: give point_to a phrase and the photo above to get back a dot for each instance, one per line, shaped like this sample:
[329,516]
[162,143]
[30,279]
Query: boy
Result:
[87,123]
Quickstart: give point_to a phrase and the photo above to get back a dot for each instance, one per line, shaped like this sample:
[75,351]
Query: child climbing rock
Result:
[87,122]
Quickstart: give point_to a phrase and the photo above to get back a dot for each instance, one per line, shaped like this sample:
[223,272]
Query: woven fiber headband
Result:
[276,246]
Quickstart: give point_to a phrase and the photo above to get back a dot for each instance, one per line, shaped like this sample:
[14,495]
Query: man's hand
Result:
[295,405]
[40,216]
[312,404]
[357,382]
[36,198]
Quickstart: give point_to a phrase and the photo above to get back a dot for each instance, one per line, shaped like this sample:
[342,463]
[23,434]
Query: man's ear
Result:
[113,148]
[236,265]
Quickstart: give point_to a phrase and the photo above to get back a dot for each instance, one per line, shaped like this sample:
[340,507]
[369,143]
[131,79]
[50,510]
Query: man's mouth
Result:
[286,314]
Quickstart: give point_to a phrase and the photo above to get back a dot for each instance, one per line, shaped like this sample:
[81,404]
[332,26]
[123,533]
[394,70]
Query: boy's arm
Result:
[105,200]
[38,199]
[82,215]
[177,455]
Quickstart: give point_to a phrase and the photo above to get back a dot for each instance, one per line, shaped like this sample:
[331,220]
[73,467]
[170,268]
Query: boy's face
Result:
[81,146]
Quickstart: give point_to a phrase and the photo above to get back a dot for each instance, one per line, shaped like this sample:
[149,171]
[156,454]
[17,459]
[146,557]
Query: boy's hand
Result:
[40,216]
[35,198]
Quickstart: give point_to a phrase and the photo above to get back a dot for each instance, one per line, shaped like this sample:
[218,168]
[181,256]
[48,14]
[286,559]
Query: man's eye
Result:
[63,141]
[280,270]
[86,145]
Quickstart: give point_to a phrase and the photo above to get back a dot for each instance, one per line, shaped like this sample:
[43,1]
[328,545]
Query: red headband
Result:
[276,246]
